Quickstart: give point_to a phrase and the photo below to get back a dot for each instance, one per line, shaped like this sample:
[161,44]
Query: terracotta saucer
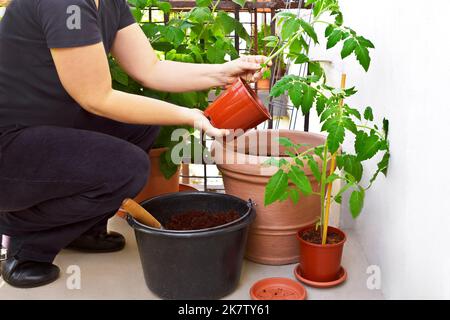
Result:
[342,276]
[277,289]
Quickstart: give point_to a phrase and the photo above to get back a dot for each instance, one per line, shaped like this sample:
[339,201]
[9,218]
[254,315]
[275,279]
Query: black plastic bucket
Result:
[199,264]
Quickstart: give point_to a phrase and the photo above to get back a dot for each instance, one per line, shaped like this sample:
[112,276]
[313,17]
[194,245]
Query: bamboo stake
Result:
[330,185]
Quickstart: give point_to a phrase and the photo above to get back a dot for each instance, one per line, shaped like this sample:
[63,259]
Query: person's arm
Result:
[84,73]
[135,55]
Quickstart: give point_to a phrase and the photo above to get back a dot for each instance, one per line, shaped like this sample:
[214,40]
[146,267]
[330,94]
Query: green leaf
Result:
[168,168]
[339,20]
[289,28]
[331,178]
[240,2]
[215,55]
[315,68]
[200,15]
[309,29]
[294,195]
[298,177]
[320,104]
[353,112]
[137,14]
[368,114]
[309,93]
[336,135]
[356,202]
[286,142]
[383,165]
[295,94]
[270,38]
[150,29]
[338,196]
[163,46]
[353,166]
[225,22]
[301,58]
[276,187]
[314,169]
[164,6]
[350,125]
[334,38]
[363,56]
[172,35]
[283,85]
[366,146]
[203,3]
[119,75]
[242,32]
[386,127]
[349,46]
[329,30]
[365,42]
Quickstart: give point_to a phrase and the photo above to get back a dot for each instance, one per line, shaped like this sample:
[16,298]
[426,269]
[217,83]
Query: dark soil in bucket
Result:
[315,236]
[196,220]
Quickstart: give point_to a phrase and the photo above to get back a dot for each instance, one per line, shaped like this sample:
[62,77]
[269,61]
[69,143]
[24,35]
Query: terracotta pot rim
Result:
[255,99]
[255,161]
[341,243]
[281,131]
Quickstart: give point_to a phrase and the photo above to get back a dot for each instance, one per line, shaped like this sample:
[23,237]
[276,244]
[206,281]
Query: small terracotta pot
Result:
[320,263]
[157,184]
[263,84]
[237,108]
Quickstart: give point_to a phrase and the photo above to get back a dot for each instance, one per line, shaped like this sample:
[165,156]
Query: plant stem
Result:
[332,169]
[369,128]
[281,49]
[322,184]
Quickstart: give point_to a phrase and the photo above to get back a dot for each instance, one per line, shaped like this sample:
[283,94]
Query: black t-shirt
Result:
[31,93]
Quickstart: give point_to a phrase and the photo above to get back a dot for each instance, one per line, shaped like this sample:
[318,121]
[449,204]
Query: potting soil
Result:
[196,220]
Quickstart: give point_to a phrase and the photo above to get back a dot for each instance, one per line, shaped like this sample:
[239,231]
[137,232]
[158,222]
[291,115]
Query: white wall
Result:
[405,226]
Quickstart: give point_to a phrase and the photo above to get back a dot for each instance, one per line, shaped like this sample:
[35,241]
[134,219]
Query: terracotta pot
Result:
[157,184]
[263,84]
[320,263]
[272,238]
[237,108]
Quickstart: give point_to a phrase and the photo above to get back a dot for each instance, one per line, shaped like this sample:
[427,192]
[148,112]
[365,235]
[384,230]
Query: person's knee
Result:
[136,169]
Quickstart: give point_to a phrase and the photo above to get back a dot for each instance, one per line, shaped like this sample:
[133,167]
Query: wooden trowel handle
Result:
[140,214]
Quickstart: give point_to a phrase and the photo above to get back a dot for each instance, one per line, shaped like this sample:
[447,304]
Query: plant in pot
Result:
[321,246]
[200,35]
[292,193]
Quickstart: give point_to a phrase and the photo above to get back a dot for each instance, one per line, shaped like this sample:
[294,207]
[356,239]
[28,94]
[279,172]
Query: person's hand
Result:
[199,121]
[247,67]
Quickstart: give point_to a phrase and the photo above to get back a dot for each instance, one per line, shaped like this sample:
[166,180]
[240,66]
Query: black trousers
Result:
[58,183]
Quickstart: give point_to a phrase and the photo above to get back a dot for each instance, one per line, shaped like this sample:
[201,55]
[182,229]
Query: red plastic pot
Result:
[320,263]
[237,108]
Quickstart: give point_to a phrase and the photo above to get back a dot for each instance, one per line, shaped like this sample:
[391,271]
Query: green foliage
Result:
[201,35]
[339,120]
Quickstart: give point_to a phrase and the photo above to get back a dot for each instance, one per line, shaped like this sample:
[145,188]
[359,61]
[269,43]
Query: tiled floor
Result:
[119,276]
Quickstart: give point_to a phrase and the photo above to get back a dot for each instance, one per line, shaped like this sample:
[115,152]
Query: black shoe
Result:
[103,242]
[28,274]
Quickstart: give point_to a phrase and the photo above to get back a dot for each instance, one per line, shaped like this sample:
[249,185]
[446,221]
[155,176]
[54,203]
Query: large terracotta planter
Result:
[237,108]
[272,238]
[157,184]
[320,263]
